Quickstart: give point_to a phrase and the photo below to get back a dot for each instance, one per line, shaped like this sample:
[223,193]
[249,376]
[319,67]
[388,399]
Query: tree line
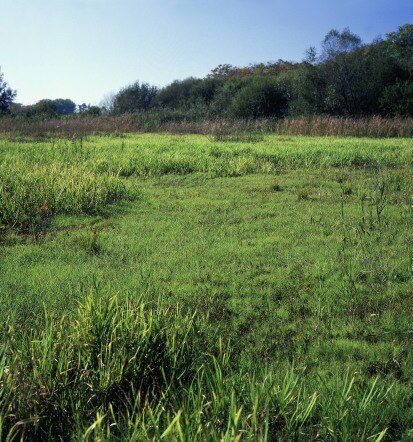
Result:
[344,78]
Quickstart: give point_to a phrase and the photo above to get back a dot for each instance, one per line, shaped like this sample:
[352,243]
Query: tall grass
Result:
[30,194]
[221,128]
[376,127]
[150,163]
[123,370]
[41,179]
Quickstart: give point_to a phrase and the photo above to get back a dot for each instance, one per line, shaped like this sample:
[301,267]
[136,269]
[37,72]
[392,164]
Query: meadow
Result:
[192,287]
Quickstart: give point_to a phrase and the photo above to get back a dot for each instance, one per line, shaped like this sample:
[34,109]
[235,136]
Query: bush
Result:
[91,111]
[135,97]
[397,99]
[260,98]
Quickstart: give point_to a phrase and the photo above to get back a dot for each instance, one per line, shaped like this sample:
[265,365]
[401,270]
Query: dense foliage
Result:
[135,97]
[7,95]
[347,78]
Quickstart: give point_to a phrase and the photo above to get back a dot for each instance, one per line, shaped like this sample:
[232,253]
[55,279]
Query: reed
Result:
[180,123]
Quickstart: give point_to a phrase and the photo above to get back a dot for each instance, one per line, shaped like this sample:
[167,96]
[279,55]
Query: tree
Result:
[53,108]
[82,107]
[7,95]
[107,103]
[136,97]
[204,91]
[64,106]
[354,81]
[397,99]
[178,94]
[336,43]
[222,70]
[92,111]
[349,78]
[401,41]
[43,107]
[260,98]
[225,94]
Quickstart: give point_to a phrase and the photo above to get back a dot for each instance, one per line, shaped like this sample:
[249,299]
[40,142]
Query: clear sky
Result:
[83,49]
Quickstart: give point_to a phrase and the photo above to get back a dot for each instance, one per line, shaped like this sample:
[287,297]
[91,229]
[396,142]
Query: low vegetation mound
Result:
[30,194]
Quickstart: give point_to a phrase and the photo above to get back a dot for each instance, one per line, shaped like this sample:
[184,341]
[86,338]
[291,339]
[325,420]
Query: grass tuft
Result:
[30,195]
[125,370]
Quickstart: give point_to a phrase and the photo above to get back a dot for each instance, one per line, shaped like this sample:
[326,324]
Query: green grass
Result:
[31,194]
[296,250]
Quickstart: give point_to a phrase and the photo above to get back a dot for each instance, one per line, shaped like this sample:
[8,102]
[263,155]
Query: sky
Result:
[85,49]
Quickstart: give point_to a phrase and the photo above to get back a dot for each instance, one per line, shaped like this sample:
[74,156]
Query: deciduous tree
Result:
[7,95]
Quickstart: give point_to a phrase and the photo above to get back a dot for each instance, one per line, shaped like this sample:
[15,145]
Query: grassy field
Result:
[174,287]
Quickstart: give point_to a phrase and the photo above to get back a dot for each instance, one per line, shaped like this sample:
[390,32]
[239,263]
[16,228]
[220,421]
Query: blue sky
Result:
[83,49]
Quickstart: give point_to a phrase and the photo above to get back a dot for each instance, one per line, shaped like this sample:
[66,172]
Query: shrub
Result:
[260,98]
[135,97]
